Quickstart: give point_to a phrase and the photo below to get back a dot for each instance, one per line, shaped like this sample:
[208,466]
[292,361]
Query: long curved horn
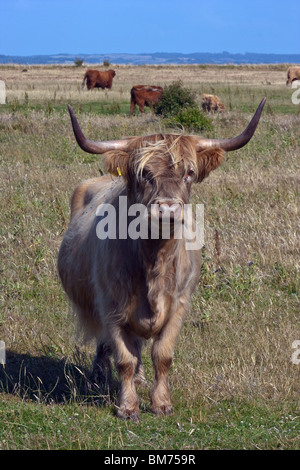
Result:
[91,146]
[235,143]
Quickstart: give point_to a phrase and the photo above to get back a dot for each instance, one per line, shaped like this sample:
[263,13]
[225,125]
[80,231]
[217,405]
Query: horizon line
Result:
[147,53]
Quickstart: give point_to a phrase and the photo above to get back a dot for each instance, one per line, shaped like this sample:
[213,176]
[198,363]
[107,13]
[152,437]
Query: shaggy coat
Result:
[126,291]
[211,103]
[129,289]
[144,95]
[96,79]
[293,73]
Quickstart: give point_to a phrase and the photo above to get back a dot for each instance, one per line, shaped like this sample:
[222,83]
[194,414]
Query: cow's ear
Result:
[208,160]
[116,163]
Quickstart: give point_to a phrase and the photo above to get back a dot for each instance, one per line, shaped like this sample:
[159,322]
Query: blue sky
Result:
[31,27]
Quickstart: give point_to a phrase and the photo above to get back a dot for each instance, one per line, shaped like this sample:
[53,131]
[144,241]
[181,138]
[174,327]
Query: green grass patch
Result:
[106,108]
[226,425]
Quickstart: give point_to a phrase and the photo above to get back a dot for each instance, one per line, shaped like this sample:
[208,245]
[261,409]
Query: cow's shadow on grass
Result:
[51,380]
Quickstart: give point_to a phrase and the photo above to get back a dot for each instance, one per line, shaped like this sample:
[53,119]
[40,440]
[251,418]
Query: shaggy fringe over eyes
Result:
[161,153]
[170,150]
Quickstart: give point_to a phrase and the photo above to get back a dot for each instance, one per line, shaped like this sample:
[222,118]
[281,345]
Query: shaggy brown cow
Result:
[211,103]
[144,95]
[96,79]
[127,289]
[293,74]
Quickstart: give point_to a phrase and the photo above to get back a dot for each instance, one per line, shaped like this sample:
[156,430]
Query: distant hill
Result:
[156,58]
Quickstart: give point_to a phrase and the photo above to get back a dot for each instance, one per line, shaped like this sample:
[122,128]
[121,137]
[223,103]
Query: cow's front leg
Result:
[160,397]
[162,356]
[126,358]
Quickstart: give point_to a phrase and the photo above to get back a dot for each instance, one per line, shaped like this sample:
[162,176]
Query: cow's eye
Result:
[189,176]
[146,176]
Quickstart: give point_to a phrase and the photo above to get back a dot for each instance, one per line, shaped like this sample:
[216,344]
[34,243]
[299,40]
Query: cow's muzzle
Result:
[167,210]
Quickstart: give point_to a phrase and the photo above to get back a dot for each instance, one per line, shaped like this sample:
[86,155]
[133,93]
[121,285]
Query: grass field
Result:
[234,383]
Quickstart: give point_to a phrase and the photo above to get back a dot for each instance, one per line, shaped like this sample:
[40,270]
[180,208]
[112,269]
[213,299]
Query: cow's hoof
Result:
[125,413]
[163,410]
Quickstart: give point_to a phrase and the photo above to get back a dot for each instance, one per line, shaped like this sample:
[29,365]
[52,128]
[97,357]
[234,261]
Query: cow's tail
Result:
[84,80]
[132,101]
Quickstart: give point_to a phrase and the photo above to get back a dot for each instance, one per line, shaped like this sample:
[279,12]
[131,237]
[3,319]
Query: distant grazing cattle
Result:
[129,286]
[293,73]
[144,95]
[212,103]
[96,79]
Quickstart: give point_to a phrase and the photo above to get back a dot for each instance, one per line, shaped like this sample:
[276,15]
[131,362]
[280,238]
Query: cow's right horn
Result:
[91,146]
[239,141]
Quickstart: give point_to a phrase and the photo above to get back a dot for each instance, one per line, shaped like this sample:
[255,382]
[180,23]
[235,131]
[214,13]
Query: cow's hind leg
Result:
[139,375]
[132,106]
[102,365]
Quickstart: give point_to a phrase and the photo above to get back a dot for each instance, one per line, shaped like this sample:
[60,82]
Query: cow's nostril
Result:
[169,209]
[164,207]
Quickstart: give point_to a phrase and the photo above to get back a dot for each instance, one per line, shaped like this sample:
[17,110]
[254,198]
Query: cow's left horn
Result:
[91,146]
[235,143]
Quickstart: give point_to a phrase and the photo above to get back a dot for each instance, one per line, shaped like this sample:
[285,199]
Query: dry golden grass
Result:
[237,340]
[64,82]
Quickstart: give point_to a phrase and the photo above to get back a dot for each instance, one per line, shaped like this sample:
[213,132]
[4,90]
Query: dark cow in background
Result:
[127,290]
[293,74]
[144,95]
[96,79]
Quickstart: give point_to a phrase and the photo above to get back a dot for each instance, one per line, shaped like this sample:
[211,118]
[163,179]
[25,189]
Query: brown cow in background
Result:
[144,95]
[211,103]
[96,79]
[293,74]
[129,289]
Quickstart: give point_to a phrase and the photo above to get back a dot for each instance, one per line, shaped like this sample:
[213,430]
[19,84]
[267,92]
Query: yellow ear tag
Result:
[119,171]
